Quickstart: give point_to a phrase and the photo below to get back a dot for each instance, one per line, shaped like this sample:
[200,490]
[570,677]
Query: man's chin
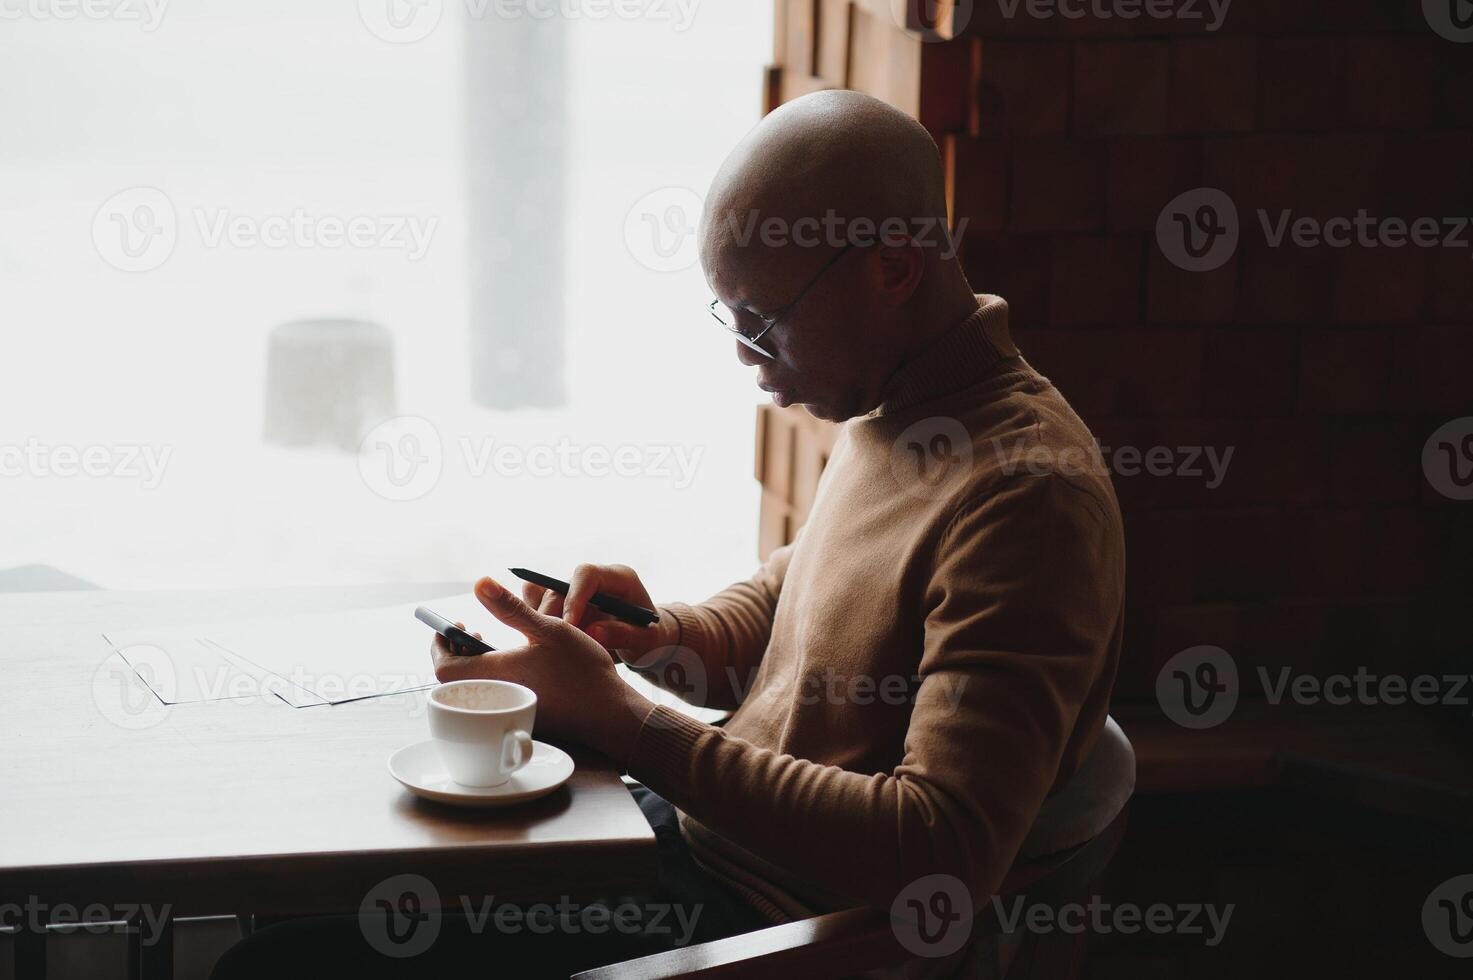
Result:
[820,412]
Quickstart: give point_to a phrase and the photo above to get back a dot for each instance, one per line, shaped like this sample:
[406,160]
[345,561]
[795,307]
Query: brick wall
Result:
[1324,369]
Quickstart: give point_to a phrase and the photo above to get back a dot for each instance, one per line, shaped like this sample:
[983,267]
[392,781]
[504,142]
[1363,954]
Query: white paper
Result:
[347,656]
[178,666]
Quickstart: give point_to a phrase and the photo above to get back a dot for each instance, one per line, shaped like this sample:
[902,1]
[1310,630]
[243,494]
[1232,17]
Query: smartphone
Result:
[462,644]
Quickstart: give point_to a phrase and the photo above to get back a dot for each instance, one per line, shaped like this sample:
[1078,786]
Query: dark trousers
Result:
[554,939]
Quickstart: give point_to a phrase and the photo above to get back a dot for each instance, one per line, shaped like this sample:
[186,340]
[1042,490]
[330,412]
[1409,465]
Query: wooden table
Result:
[256,807]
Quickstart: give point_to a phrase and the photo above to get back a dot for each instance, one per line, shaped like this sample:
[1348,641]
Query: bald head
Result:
[840,155]
[825,232]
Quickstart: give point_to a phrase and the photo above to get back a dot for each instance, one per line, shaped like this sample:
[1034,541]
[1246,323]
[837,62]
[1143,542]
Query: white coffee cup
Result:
[483,729]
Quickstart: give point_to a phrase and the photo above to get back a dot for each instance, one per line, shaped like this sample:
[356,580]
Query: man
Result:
[934,654]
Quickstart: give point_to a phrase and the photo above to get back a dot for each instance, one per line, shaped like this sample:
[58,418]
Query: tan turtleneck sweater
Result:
[925,663]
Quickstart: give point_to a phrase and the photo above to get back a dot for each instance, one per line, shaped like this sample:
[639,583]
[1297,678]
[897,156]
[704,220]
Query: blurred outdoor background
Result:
[134,444]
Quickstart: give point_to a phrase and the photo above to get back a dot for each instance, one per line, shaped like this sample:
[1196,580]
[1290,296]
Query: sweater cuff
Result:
[664,754]
[692,633]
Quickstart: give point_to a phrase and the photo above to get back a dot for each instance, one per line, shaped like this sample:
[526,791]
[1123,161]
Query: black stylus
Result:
[618,608]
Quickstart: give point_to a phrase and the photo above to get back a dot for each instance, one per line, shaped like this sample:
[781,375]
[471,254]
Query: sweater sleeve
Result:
[728,632]
[1025,592]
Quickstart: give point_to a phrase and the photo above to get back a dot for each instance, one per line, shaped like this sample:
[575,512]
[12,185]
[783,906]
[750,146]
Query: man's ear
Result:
[898,270]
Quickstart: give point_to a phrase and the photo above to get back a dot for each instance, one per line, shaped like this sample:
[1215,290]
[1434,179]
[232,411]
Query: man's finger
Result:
[550,605]
[511,610]
[581,587]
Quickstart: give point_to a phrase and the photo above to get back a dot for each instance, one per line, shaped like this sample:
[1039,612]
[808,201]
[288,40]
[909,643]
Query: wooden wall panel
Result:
[862,45]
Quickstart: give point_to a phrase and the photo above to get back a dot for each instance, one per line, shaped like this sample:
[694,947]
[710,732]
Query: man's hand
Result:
[579,695]
[629,643]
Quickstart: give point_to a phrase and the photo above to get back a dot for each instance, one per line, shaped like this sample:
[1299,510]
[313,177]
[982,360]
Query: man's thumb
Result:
[510,609]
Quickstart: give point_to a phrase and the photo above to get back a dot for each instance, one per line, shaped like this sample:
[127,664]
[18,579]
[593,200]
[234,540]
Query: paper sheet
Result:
[347,656]
[179,666]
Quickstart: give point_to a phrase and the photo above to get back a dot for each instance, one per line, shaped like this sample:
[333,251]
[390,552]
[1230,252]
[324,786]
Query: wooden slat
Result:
[885,61]
[831,48]
[798,37]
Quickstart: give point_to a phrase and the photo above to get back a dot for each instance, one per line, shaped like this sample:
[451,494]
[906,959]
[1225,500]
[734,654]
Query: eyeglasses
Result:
[730,321]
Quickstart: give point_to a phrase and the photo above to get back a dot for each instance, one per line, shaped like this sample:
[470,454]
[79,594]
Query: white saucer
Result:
[419,768]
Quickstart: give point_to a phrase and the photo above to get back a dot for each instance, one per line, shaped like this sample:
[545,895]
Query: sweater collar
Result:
[958,360]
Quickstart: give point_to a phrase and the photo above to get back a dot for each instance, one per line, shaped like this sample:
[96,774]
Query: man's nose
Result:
[748,356]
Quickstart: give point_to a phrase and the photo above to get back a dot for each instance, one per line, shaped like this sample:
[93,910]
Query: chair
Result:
[857,941]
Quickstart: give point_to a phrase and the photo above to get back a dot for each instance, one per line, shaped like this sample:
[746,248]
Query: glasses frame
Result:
[770,320]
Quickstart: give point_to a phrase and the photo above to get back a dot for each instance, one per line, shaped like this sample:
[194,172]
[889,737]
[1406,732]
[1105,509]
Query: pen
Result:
[618,608]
